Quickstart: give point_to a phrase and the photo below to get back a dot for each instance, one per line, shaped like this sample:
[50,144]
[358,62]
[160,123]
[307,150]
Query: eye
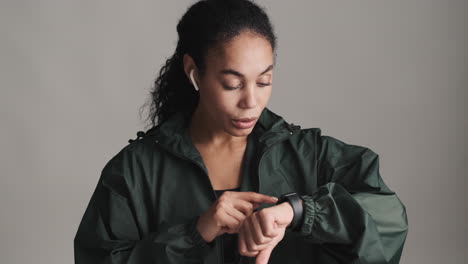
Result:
[227,87]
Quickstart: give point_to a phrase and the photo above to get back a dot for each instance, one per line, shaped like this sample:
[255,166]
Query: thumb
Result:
[264,256]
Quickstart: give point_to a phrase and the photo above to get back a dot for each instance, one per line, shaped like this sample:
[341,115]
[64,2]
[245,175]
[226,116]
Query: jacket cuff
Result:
[310,212]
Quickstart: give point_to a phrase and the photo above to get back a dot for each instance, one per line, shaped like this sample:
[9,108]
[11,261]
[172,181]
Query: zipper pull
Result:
[292,128]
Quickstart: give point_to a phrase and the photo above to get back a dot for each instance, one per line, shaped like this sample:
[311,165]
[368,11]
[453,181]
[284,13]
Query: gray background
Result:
[389,75]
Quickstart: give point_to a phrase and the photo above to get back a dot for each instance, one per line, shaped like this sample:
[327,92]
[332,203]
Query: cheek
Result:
[226,100]
[265,95]
[222,104]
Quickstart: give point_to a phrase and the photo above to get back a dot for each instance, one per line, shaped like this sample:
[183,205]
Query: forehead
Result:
[247,53]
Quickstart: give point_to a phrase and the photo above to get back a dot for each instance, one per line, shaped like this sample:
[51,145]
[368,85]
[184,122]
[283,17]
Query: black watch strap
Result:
[296,203]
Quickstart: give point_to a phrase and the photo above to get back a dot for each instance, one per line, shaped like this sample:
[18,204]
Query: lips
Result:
[246,119]
[244,123]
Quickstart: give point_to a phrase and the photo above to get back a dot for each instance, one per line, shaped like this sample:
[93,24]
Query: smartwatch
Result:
[296,203]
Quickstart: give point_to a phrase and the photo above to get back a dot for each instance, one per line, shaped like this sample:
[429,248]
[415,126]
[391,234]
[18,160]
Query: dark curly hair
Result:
[205,24]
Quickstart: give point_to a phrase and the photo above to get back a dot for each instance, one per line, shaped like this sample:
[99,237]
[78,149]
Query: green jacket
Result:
[149,196]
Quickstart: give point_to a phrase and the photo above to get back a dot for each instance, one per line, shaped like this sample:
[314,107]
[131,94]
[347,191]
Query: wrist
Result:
[297,205]
[201,230]
[290,214]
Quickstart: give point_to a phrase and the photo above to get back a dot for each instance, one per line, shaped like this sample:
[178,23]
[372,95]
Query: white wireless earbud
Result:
[193,80]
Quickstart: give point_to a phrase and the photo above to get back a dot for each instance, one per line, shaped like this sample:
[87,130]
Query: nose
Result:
[249,97]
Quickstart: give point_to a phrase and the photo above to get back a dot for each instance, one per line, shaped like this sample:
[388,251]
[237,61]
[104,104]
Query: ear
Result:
[189,64]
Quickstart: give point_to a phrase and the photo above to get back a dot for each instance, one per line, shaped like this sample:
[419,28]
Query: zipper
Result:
[269,147]
[219,243]
[192,161]
[221,246]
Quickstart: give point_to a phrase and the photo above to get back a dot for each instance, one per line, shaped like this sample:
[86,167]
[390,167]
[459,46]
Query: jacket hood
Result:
[173,133]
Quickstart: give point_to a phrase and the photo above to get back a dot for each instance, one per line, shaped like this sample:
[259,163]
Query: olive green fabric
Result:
[149,196]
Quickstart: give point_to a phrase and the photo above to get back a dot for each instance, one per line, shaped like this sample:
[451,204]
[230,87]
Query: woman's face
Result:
[237,83]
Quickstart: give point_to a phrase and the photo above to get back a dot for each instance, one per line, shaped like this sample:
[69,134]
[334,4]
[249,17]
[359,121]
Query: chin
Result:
[237,132]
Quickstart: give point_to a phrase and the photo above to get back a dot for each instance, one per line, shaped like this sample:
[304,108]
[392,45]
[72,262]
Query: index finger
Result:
[256,197]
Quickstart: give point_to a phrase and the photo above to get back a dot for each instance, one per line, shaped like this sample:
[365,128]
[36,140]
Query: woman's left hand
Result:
[263,230]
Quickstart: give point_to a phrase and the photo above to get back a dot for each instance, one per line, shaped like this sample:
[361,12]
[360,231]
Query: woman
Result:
[201,185]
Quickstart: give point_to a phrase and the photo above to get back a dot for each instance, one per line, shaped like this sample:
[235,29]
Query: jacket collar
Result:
[173,133]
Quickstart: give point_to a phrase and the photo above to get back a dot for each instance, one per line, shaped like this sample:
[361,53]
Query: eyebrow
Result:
[231,71]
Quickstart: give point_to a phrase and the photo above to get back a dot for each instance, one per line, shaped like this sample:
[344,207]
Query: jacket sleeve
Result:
[109,233]
[353,215]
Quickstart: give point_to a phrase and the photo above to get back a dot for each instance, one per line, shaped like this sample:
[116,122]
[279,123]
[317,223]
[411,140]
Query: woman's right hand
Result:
[228,213]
